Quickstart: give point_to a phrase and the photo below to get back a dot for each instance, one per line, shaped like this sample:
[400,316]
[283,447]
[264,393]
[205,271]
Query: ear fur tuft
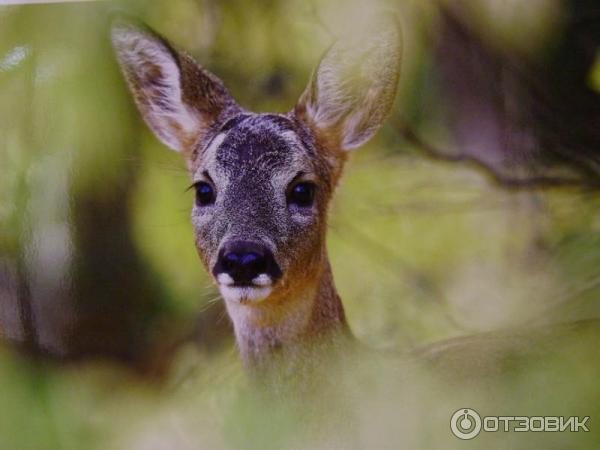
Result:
[352,90]
[178,99]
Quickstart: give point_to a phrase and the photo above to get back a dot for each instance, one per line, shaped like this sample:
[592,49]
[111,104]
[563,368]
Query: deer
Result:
[264,182]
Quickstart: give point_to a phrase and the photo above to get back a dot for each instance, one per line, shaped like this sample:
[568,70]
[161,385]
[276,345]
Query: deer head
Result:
[263,182]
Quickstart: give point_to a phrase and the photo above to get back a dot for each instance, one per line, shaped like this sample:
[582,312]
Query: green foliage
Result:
[421,250]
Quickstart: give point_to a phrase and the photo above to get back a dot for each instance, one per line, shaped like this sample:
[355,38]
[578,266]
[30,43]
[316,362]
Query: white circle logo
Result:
[465,423]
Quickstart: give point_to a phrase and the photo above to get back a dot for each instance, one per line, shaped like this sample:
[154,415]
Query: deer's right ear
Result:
[178,99]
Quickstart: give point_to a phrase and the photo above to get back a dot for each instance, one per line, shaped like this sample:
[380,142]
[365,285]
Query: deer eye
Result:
[205,193]
[301,194]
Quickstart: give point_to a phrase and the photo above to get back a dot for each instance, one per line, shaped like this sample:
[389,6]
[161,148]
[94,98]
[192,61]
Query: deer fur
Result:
[252,159]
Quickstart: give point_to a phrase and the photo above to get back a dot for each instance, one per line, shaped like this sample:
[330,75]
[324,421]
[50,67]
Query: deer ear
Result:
[178,99]
[352,90]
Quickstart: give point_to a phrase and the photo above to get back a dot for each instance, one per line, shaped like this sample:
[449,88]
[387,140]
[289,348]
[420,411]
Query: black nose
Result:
[244,261]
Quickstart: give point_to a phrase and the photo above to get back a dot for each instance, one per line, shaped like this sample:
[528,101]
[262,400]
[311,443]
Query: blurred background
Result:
[474,209]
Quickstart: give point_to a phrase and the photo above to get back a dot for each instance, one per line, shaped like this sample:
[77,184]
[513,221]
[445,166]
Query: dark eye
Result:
[205,194]
[301,194]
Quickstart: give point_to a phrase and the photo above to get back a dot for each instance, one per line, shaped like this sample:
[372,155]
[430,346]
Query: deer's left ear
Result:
[352,90]
[177,98]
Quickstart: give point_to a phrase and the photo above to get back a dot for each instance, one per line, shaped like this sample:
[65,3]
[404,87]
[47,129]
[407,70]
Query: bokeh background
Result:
[474,209]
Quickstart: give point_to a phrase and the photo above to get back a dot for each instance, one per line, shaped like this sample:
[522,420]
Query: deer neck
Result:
[292,328]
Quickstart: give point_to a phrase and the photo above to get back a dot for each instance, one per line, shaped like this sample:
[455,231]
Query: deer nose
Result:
[246,264]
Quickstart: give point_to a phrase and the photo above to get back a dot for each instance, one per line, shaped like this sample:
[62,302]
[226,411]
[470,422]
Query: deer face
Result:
[262,181]
[261,197]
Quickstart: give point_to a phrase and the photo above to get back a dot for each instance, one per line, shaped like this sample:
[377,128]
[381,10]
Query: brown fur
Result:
[253,164]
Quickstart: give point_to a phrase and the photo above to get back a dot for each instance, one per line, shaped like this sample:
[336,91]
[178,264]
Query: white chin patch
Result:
[245,294]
